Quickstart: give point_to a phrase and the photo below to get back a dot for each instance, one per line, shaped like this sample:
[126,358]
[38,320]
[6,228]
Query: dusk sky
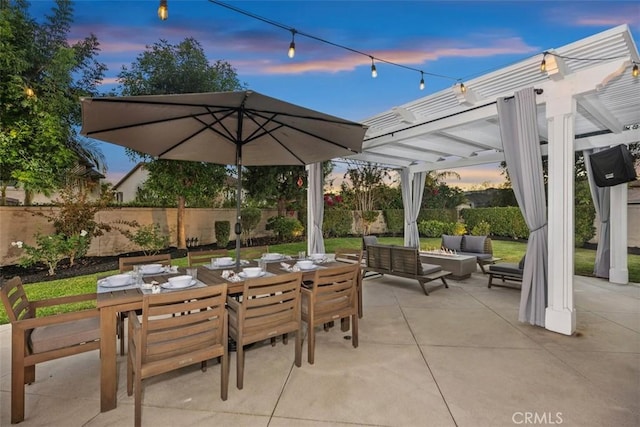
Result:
[457,40]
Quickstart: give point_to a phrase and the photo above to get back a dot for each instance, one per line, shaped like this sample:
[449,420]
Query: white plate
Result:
[172,286]
[313,267]
[224,264]
[244,276]
[106,284]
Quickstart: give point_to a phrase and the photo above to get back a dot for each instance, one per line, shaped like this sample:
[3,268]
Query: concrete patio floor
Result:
[458,357]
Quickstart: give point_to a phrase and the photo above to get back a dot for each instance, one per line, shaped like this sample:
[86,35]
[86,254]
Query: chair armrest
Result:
[49,302]
[31,323]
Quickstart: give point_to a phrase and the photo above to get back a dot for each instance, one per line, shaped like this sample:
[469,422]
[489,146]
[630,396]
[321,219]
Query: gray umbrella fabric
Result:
[230,128]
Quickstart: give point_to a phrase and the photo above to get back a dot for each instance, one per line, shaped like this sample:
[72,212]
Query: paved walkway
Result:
[458,357]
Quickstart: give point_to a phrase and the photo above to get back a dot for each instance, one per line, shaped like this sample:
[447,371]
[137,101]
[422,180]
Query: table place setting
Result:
[223,262]
[302,265]
[117,282]
[246,273]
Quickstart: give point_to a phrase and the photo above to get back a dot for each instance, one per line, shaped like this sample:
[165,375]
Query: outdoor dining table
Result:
[112,302]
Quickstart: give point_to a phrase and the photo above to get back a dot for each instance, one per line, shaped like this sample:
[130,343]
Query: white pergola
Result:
[588,98]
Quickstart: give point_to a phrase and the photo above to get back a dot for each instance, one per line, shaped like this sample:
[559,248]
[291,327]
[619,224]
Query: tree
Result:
[276,185]
[41,78]
[364,179]
[164,68]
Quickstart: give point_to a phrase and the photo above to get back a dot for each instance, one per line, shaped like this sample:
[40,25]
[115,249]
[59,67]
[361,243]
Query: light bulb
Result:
[163,10]
[29,92]
[463,88]
[634,71]
[292,49]
[374,72]
[543,64]
[421,81]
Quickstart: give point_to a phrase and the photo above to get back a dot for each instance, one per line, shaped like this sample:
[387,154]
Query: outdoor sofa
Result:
[478,246]
[507,272]
[402,261]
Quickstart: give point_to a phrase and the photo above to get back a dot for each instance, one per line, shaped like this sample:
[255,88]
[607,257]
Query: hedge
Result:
[337,223]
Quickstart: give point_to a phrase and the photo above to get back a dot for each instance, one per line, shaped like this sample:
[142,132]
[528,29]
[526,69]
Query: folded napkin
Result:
[231,276]
[290,268]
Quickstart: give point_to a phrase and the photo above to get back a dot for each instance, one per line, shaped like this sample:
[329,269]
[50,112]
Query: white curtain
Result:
[412,186]
[315,208]
[601,200]
[521,144]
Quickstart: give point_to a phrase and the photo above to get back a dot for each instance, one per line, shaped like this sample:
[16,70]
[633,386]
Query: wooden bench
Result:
[405,262]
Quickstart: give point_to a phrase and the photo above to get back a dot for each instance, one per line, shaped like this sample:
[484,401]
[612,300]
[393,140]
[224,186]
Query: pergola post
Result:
[560,315]
[618,269]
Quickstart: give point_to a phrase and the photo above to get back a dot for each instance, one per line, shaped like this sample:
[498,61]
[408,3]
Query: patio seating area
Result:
[457,357]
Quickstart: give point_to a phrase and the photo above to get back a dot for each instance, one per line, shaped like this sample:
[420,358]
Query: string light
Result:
[634,71]
[543,64]
[293,31]
[29,92]
[292,45]
[163,10]
[421,80]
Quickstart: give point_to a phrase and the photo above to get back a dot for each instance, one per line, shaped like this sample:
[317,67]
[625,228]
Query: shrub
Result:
[285,227]
[444,215]
[250,219]
[336,223]
[222,230]
[394,218]
[458,229]
[482,228]
[52,249]
[149,237]
[432,228]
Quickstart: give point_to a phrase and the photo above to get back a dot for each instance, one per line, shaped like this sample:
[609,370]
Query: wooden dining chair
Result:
[39,339]
[270,306]
[196,258]
[353,256]
[126,264]
[253,252]
[331,296]
[177,329]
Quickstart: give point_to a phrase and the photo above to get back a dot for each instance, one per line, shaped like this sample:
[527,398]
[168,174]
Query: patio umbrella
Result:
[229,128]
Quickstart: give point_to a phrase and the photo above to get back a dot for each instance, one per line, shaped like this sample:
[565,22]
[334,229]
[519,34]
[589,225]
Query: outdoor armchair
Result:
[270,306]
[177,329]
[39,339]
[331,296]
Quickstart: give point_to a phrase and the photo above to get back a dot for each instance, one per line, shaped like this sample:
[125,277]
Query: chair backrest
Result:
[127,263]
[253,252]
[334,292]
[406,260]
[177,323]
[348,255]
[204,257]
[15,300]
[379,256]
[369,240]
[269,302]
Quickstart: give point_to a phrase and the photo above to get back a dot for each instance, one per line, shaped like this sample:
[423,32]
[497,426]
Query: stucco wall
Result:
[18,224]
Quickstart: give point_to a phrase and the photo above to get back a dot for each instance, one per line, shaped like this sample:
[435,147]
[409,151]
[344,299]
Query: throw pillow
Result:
[453,243]
[474,244]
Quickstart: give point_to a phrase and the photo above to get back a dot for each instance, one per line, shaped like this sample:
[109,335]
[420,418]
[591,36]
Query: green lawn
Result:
[509,251]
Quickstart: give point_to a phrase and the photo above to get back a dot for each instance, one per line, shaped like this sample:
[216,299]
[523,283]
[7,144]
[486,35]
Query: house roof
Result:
[451,129]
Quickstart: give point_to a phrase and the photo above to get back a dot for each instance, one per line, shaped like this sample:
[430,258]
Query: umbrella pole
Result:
[238,227]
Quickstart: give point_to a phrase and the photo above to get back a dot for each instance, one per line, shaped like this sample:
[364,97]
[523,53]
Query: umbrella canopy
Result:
[229,128]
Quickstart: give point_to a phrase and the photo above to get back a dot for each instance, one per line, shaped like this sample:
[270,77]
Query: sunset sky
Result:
[453,39]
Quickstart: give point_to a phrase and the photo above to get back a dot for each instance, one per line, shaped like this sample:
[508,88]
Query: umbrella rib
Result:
[273,119]
[150,122]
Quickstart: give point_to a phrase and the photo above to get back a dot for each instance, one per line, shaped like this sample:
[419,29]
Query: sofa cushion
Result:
[453,243]
[505,267]
[429,268]
[52,337]
[473,244]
